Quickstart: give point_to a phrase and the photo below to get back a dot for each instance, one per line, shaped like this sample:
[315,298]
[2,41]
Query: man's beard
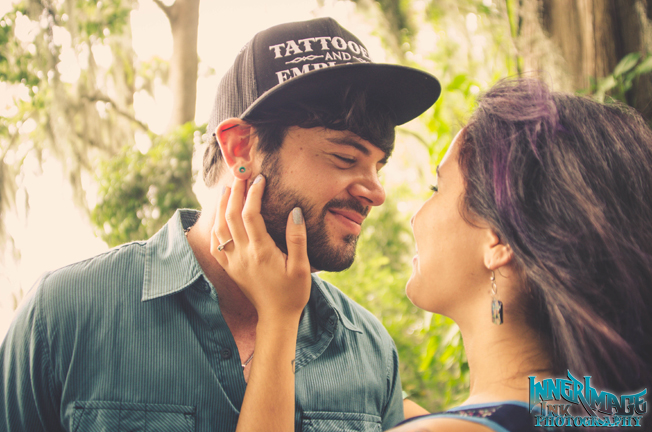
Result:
[278,202]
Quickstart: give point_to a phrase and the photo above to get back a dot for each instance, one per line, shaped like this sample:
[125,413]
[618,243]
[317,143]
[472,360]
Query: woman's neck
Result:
[501,358]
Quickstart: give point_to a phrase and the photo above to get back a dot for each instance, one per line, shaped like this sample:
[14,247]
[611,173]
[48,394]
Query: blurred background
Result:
[102,103]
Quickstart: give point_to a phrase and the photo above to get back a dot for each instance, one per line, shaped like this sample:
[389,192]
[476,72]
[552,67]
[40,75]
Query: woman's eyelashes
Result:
[435,187]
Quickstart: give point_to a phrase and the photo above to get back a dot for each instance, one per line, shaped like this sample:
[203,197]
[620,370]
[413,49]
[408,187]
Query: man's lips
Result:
[351,215]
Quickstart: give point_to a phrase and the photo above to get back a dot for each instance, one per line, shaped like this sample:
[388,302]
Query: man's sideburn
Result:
[279,200]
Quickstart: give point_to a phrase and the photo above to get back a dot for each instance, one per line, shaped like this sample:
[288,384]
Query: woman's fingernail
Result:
[297,216]
[258,178]
[223,190]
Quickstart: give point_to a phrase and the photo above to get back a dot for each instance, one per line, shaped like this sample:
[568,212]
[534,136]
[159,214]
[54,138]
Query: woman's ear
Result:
[497,253]
[237,143]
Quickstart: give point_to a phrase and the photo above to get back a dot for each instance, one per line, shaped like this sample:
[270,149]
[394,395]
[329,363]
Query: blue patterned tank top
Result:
[505,416]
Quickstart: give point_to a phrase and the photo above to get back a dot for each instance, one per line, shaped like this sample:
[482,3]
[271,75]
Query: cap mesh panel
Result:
[236,91]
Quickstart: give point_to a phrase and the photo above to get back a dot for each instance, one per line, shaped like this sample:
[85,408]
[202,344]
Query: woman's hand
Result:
[276,284]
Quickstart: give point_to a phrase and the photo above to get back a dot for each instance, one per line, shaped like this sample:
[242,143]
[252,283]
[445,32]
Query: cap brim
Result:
[407,92]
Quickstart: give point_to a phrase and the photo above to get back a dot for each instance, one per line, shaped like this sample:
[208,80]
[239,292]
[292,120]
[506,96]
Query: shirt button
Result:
[226,353]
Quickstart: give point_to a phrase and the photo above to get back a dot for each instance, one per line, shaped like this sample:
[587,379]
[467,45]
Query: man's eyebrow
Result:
[353,143]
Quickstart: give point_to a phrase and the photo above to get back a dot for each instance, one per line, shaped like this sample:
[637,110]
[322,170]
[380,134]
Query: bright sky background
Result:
[56,233]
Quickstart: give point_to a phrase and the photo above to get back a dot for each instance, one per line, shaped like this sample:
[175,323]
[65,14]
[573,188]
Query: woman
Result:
[537,241]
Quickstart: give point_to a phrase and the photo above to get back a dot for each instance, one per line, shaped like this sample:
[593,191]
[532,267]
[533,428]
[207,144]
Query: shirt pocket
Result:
[324,421]
[105,416]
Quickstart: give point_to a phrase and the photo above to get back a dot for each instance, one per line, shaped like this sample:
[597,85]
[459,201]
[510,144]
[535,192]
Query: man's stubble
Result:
[324,253]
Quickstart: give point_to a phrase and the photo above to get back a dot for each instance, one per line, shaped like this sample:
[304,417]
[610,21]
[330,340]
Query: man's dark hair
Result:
[350,110]
[567,183]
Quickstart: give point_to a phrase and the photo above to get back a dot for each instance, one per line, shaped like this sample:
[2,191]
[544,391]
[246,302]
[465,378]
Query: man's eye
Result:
[345,159]
[434,188]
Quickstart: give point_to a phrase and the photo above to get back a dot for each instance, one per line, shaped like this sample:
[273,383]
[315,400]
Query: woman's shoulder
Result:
[436,423]
[506,416]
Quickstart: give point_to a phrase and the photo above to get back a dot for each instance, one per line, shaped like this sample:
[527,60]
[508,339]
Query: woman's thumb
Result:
[295,237]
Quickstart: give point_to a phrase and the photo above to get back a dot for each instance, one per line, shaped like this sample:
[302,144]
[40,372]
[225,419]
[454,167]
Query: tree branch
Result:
[12,142]
[166,9]
[414,135]
[106,99]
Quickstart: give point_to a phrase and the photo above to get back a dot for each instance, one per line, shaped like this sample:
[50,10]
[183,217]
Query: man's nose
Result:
[368,190]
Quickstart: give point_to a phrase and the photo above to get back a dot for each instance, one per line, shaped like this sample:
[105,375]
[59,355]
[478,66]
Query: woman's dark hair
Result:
[567,183]
[347,110]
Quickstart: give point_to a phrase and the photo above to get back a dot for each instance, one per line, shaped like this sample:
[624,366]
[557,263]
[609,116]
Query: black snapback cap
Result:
[312,60]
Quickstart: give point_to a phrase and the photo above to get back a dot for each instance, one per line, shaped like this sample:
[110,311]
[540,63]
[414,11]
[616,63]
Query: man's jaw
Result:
[339,244]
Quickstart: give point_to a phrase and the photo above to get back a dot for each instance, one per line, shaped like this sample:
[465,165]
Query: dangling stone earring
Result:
[496,305]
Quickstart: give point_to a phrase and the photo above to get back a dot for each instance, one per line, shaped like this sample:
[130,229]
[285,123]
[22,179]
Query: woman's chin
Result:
[420,294]
[410,289]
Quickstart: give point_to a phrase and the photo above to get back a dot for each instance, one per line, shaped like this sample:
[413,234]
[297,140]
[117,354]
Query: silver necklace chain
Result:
[244,365]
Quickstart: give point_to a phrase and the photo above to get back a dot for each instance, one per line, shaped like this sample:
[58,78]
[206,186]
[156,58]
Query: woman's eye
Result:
[434,188]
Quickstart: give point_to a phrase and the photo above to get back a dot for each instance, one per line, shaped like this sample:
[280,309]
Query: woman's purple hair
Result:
[567,183]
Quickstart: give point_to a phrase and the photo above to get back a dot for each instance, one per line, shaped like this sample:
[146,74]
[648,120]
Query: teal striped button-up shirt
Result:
[133,340]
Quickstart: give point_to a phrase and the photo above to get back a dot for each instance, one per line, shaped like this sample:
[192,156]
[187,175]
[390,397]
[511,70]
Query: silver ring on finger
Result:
[221,247]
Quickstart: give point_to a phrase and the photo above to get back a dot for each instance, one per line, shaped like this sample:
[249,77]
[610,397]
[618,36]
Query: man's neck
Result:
[237,310]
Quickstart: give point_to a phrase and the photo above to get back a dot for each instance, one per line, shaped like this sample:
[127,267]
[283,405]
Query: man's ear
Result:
[237,143]
[497,253]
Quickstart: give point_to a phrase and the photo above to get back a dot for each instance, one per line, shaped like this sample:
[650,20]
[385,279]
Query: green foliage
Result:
[150,70]
[140,192]
[17,63]
[103,17]
[69,117]
[515,22]
[471,53]
[622,79]
[397,14]
[449,113]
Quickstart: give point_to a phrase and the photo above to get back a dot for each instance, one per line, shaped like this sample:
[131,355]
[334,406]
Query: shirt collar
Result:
[170,264]
[171,267]
[326,302]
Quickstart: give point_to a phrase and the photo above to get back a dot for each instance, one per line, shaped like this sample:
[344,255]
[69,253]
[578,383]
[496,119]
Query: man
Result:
[155,336]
